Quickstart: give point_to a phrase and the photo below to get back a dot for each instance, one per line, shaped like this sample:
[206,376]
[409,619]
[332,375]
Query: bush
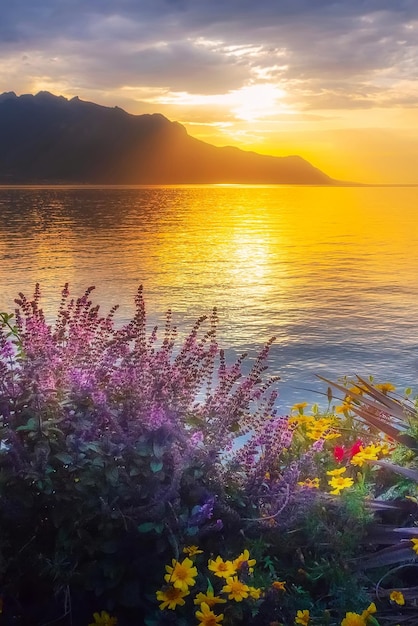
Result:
[129,459]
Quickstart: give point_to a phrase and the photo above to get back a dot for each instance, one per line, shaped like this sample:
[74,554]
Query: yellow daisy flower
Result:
[209,598]
[181,575]
[244,559]
[192,550]
[311,483]
[338,483]
[255,593]
[170,597]
[385,387]
[415,544]
[299,406]
[207,617]
[236,589]
[222,568]
[369,453]
[279,585]
[337,472]
[302,617]
[353,619]
[397,597]
[103,619]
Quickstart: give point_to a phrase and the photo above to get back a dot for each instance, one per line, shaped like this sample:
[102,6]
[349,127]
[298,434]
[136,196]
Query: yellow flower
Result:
[192,550]
[103,619]
[385,387]
[222,568]
[337,471]
[355,389]
[181,575]
[236,589]
[370,609]
[338,483]
[302,617]
[345,407]
[244,559]
[369,453]
[209,598]
[415,544]
[397,597]
[311,483]
[299,406]
[207,617]
[331,435]
[255,593]
[353,619]
[170,597]
[279,585]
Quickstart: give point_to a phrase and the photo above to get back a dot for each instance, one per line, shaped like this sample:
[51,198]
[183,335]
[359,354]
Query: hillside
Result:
[49,139]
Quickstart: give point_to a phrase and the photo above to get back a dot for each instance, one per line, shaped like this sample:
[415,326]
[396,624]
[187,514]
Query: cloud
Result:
[324,54]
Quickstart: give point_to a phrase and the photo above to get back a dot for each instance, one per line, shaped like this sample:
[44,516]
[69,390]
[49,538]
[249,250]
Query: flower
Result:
[370,609]
[103,619]
[192,550]
[310,483]
[299,406]
[338,453]
[208,598]
[415,544]
[279,585]
[355,448]
[337,472]
[236,589]
[369,453]
[222,568]
[181,575]
[345,407]
[255,593]
[338,483]
[207,617]
[353,619]
[244,560]
[397,597]
[170,597]
[302,617]
[385,387]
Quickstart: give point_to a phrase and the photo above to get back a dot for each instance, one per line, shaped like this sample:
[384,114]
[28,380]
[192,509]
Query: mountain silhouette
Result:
[47,139]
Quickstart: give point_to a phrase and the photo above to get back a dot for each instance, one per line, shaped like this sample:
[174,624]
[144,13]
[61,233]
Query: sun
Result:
[249,103]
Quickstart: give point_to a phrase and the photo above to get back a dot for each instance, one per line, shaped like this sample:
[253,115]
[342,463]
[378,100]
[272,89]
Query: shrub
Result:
[117,447]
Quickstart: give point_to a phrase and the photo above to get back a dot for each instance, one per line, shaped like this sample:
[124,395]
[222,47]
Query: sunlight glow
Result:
[249,103]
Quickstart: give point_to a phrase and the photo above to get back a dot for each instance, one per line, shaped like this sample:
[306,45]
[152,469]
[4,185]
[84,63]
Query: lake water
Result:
[331,272]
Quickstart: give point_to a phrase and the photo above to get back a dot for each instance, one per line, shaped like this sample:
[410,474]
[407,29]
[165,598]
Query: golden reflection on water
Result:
[329,271]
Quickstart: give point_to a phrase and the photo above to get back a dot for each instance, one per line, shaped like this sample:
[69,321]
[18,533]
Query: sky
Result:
[334,82]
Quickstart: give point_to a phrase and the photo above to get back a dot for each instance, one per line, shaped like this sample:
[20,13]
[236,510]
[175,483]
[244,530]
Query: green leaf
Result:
[64,457]
[158,450]
[112,475]
[146,527]
[159,527]
[156,466]
[32,424]
[97,462]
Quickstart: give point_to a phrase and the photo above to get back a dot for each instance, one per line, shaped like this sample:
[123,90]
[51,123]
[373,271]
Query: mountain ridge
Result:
[48,139]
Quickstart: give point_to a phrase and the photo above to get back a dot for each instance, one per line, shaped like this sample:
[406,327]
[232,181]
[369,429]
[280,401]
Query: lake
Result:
[332,273]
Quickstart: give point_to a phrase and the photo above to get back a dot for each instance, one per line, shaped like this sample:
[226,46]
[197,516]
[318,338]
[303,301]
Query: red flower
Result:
[338,454]
[355,448]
